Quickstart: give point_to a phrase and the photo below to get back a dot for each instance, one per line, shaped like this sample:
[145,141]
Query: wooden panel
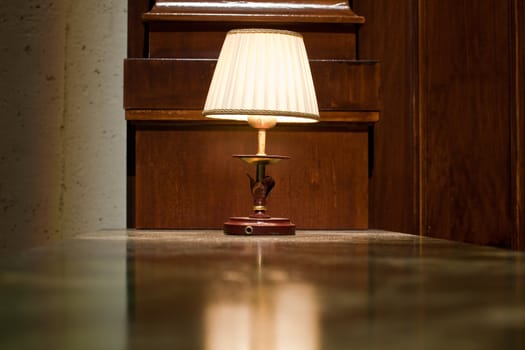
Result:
[137,33]
[189,40]
[137,47]
[256,11]
[466,76]
[394,184]
[185,41]
[186,177]
[165,84]
[183,84]
[347,118]
[191,30]
[448,149]
[519,125]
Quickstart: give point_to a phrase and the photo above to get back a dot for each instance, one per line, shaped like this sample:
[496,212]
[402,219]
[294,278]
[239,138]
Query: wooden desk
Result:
[317,290]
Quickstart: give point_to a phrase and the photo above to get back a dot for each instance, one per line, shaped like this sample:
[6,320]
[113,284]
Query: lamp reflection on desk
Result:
[284,318]
[266,312]
[262,77]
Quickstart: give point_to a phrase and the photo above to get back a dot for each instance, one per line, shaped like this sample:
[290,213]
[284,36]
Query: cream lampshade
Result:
[262,77]
[262,72]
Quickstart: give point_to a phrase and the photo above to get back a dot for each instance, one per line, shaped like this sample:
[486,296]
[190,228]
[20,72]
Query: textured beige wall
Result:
[62,129]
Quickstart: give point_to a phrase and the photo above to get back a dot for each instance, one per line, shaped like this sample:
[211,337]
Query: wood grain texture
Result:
[347,118]
[137,30]
[519,125]
[466,77]
[388,36]
[448,150]
[186,177]
[265,12]
[341,85]
[137,47]
[204,40]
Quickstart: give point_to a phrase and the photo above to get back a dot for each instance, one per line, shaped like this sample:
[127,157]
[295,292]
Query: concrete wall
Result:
[62,129]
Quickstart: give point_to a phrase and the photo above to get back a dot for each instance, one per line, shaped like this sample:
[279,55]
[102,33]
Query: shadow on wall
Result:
[62,148]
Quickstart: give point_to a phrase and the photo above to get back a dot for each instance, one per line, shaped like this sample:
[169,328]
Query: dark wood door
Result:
[448,148]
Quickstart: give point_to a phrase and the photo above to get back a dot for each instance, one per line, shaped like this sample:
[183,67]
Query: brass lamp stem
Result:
[261,142]
[261,123]
[261,172]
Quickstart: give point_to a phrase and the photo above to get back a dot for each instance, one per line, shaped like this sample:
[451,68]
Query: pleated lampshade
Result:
[262,72]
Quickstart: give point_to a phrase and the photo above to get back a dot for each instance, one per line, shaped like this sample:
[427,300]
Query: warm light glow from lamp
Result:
[262,77]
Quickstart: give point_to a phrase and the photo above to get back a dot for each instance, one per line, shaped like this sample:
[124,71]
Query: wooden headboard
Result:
[180,170]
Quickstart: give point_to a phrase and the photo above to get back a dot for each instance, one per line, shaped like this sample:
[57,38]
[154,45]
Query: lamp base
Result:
[249,226]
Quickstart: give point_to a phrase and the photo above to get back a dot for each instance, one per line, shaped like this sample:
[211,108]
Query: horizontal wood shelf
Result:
[308,11]
[196,116]
[196,40]
[341,85]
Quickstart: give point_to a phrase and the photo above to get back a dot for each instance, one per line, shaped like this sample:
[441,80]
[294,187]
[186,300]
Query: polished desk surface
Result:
[315,290]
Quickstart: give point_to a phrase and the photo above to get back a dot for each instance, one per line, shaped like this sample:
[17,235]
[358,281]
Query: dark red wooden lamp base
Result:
[259,223]
[252,226]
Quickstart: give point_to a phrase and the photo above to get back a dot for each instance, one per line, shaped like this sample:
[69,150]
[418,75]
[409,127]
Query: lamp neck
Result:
[261,142]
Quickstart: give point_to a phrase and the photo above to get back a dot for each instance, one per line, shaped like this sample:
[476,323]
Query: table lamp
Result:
[262,77]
